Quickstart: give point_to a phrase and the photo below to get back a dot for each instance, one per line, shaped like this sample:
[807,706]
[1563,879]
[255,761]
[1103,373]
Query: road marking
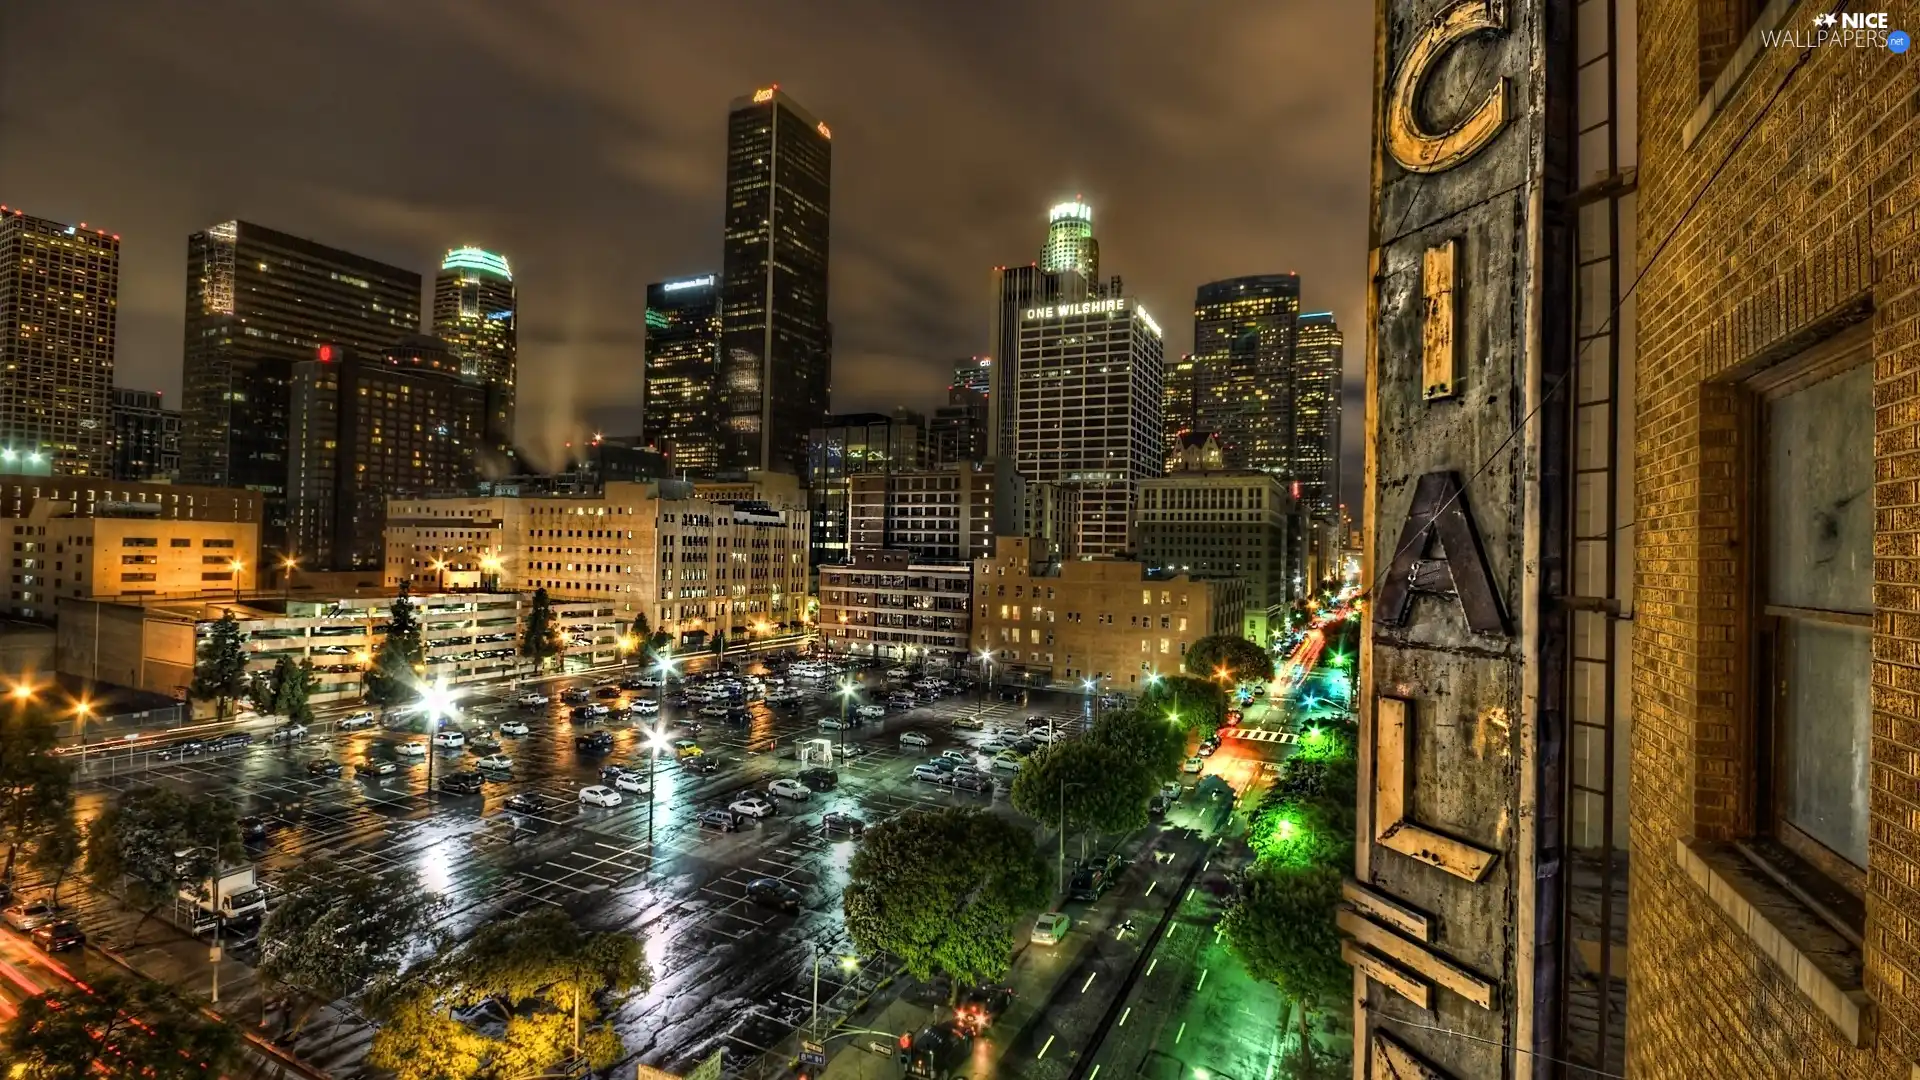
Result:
[1149,891]
[1155,964]
[1262,735]
[1123,1022]
[1089,982]
[1094,1073]
[1202,982]
[1044,1049]
[1178,1034]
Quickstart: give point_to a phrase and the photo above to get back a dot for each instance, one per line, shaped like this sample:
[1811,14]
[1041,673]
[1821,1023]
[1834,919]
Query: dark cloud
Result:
[585,139]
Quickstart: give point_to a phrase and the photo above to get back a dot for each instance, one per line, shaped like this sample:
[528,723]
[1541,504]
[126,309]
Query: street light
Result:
[656,742]
[490,565]
[22,693]
[1093,702]
[847,964]
[847,690]
[436,700]
[288,564]
[81,710]
[236,566]
[986,679]
[665,665]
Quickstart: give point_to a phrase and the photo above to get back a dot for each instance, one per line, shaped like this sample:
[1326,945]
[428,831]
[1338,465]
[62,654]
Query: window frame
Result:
[1827,882]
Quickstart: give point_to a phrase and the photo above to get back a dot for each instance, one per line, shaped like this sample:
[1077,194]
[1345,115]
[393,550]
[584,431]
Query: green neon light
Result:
[656,319]
[473,258]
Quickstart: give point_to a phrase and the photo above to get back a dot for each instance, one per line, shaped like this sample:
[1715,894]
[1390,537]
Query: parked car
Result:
[702,764]
[1050,929]
[957,756]
[996,744]
[461,783]
[1170,791]
[932,774]
[972,780]
[594,742]
[897,673]
[495,763]
[1233,717]
[581,713]
[326,767]
[1193,765]
[1209,747]
[287,733]
[870,712]
[449,740]
[646,706]
[752,806]
[597,710]
[774,893]
[685,747]
[483,745]
[187,749]
[1088,882]
[526,803]
[970,723]
[634,781]
[596,795]
[28,914]
[515,728]
[723,820]
[253,828]
[575,695]
[606,693]
[1157,806]
[412,749]
[232,740]
[532,700]
[355,722]
[837,822]
[1008,761]
[1046,736]
[59,936]
[378,766]
[786,788]
[915,738]
[819,779]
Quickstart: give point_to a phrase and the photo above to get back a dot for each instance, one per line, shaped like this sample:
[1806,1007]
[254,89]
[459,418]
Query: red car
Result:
[1233,717]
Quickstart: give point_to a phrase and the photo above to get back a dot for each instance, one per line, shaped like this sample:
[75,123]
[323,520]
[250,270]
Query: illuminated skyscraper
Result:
[258,302]
[1316,413]
[975,373]
[1070,243]
[1176,406]
[59,289]
[1242,388]
[777,344]
[473,305]
[678,411]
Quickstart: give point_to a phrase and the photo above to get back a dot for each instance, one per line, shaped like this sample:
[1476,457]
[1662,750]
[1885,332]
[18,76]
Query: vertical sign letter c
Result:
[1421,151]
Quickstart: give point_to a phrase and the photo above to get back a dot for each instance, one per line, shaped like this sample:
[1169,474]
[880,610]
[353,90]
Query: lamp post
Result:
[288,564]
[986,679]
[82,709]
[847,963]
[236,566]
[847,691]
[490,568]
[656,742]
[1092,686]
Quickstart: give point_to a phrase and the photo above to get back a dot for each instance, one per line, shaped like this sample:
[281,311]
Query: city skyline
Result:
[623,187]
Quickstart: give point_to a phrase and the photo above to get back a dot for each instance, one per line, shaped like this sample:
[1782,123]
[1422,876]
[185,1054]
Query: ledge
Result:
[1735,73]
[1825,967]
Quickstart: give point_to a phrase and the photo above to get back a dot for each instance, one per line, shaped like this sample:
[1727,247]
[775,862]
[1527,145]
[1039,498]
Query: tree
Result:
[1198,704]
[541,641]
[543,975]
[394,678]
[286,690]
[57,850]
[1144,737]
[1098,789]
[1242,660]
[36,784]
[1282,927]
[132,846]
[220,666]
[942,889]
[117,1027]
[340,930]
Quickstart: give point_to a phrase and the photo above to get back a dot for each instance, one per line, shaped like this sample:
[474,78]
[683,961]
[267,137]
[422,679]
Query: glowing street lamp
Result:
[236,566]
[22,693]
[288,564]
[847,691]
[490,566]
[82,710]
[656,743]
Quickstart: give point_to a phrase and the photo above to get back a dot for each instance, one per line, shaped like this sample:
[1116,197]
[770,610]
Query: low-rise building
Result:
[719,557]
[1046,622]
[946,514]
[469,637]
[887,604]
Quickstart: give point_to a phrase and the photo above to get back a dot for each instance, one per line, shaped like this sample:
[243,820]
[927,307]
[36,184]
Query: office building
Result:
[473,312]
[1048,623]
[469,637]
[1316,380]
[1213,522]
[949,513]
[258,302]
[1176,406]
[975,373]
[1070,244]
[679,399]
[699,559]
[587,470]
[146,436]
[80,536]
[1243,335]
[1089,410]
[776,352]
[850,445]
[59,293]
[367,427]
[890,605]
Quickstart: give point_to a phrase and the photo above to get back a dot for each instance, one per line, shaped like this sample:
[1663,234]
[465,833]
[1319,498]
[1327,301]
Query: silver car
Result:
[28,914]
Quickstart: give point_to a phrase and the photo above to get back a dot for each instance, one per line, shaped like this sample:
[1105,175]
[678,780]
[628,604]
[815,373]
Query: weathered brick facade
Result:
[1810,230]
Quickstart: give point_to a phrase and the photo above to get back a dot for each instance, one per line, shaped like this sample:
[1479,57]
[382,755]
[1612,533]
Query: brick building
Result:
[886,603]
[1776,757]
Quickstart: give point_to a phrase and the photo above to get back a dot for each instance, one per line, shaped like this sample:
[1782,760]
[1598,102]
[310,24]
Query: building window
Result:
[1723,26]
[1814,592]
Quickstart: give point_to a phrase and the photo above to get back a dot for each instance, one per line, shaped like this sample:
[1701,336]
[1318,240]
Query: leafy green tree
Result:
[220,666]
[286,690]
[1199,704]
[36,783]
[942,890]
[1242,660]
[117,1027]
[540,641]
[57,851]
[418,1039]
[1282,928]
[340,931]
[131,846]
[1098,789]
[1144,737]
[394,678]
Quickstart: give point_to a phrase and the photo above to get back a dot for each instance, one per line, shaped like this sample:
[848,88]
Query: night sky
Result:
[585,140]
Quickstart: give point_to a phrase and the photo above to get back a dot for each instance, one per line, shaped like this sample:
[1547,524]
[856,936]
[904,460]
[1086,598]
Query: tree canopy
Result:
[340,930]
[1099,789]
[133,844]
[286,690]
[540,641]
[1199,704]
[1144,737]
[1242,660]
[36,783]
[394,678]
[1282,926]
[942,890]
[220,666]
[117,1027]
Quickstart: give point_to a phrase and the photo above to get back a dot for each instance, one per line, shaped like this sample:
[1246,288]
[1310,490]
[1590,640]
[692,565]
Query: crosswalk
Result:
[1260,735]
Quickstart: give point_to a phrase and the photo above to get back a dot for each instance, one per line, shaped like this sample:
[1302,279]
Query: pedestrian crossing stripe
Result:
[1261,735]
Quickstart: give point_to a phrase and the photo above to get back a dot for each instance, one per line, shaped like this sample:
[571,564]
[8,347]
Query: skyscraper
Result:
[1316,413]
[975,373]
[473,313]
[1243,336]
[59,291]
[258,302]
[1088,410]
[1070,243]
[1176,406]
[849,445]
[146,436]
[678,412]
[777,344]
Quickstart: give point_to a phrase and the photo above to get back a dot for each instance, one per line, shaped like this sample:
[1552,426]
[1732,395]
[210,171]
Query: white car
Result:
[1050,928]
[648,682]
[897,673]
[496,762]
[646,705]
[831,723]
[597,709]
[532,701]
[752,806]
[411,749]
[1046,735]
[997,744]
[713,710]
[1193,765]
[449,740]
[870,712]
[356,721]
[514,727]
[915,738]
[635,782]
[790,789]
[600,796]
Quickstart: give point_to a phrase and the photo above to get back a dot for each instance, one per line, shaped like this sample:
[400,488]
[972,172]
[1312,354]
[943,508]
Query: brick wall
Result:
[1818,208]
